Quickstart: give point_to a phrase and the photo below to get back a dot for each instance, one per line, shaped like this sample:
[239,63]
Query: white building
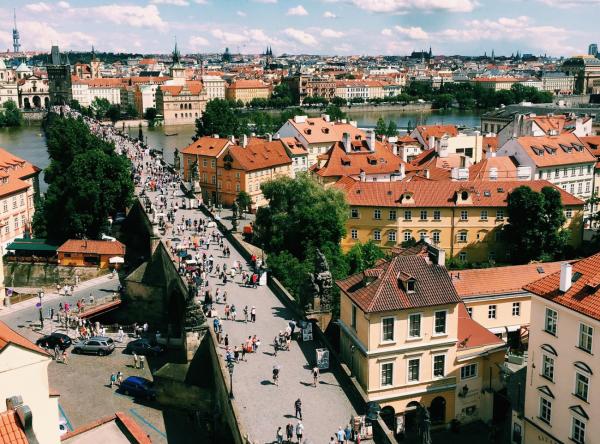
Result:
[85,91]
[558,83]
[8,92]
[214,86]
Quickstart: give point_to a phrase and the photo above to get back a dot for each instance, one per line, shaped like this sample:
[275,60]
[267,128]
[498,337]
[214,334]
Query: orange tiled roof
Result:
[294,145]
[105,82]
[506,167]
[439,193]
[11,431]
[499,280]
[318,130]
[584,294]
[206,146]
[547,151]
[437,131]
[194,87]
[259,156]
[490,144]
[133,429]
[593,144]
[248,84]
[471,334]
[549,123]
[115,248]
[9,336]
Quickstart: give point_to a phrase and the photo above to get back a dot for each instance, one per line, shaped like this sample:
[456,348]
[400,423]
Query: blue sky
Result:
[394,27]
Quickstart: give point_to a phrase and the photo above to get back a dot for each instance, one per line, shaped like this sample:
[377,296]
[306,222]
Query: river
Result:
[28,141]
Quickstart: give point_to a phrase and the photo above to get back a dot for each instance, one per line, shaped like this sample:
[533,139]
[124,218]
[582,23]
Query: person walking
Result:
[279,435]
[226,340]
[121,335]
[348,433]
[253,314]
[135,360]
[315,372]
[246,314]
[119,378]
[64,356]
[56,353]
[299,431]
[298,406]
[289,432]
[276,376]
[243,352]
[113,379]
[341,436]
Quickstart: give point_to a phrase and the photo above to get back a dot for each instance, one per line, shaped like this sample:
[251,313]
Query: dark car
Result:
[143,347]
[99,345]
[138,387]
[54,339]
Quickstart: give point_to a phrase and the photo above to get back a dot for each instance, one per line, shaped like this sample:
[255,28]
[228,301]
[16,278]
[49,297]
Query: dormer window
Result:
[410,286]
[464,195]
[406,282]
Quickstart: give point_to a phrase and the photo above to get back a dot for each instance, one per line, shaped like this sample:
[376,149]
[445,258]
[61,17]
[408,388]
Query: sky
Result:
[344,27]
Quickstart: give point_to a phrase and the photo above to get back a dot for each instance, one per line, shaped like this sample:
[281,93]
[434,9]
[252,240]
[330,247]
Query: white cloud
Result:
[331,34]
[134,16]
[300,36]
[565,4]
[265,1]
[41,35]
[249,40]
[170,2]
[196,41]
[64,5]
[329,15]
[201,2]
[412,32]
[404,5]
[297,10]
[387,32]
[229,38]
[241,13]
[38,7]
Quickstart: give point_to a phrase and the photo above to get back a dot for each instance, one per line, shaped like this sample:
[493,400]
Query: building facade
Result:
[214,87]
[59,78]
[247,90]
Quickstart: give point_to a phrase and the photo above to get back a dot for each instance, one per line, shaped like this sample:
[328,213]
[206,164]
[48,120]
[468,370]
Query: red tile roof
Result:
[192,87]
[584,294]
[548,151]
[499,280]
[295,146]
[11,431]
[439,193]
[318,130]
[115,248]
[249,84]
[259,156]
[206,146]
[437,131]
[432,285]
[506,168]
[131,429]
[9,336]
[472,334]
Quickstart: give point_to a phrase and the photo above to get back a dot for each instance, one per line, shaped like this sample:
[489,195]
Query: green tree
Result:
[131,112]
[10,115]
[338,101]
[362,256]
[218,118]
[380,127]
[100,107]
[335,112]
[442,101]
[392,129]
[244,201]
[113,113]
[150,114]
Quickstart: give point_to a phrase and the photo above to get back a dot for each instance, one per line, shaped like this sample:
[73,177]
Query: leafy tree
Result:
[363,256]
[335,112]
[443,101]
[100,107]
[357,100]
[244,201]
[380,127]
[338,101]
[218,118]
[10,115]
[113,113]
[392,129]
[131,111]
[150,114]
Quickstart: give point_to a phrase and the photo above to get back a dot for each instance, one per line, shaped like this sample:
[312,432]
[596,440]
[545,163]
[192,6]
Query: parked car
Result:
[138,387]
[52,340]
[143,347]
[99,345]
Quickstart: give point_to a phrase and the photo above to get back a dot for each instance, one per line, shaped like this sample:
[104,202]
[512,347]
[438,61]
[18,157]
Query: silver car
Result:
[98,345]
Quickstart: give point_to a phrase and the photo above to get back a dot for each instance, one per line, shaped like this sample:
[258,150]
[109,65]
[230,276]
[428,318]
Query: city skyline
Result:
[328,27]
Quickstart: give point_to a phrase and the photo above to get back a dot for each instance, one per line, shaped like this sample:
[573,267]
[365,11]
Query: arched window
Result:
[549,349]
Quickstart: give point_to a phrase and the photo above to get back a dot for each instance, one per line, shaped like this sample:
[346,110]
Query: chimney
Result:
[346,142]
[431,142]
[402,170]
[566,275]
[244,141]
[269,137]
[326,117]
[277,136]
[371,141]
[427,174]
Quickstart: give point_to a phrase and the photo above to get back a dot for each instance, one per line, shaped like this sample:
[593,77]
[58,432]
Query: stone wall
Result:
[46,275]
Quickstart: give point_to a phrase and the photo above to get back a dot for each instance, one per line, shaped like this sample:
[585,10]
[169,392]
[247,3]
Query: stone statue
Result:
[424,423]
[176,160]
[321,281]
[194,175]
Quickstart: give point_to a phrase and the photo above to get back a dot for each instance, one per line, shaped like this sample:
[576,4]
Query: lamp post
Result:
[352,349]
[41,296]
[230,368]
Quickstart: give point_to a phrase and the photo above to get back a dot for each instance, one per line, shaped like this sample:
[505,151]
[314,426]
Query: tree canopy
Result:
[10,115]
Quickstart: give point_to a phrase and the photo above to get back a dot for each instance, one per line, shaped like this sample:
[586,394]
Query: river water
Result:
[29,143]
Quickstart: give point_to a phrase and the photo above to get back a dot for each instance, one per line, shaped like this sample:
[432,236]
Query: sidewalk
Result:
[52,296]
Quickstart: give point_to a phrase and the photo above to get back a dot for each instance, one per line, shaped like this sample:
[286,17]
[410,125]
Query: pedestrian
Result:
[64,356]
[56,353]
[298,406]
[236,354]
[227,311]
[348,433]
[233,312]
[119,378]
[243,352]
[279,435]
[276,376]
[142,361]
[341,436]
[315,372]
[246,314]
[226,340]
[135,360]
[289,432]
[253,314]
[121,334]
[299,431]
[113,379]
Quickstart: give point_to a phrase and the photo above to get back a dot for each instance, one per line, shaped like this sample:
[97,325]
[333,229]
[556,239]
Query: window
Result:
[439,366]
[585,337]
[464,215]
[462,256]
[484,214]
[423,215]
[354,233]
[572,188]
[392,236]
[572,171]
[392,215]
[387,370]
[377,213]
[414,325]
[413,369]
[548,367]
[582,383]
[516,309]
[569,213]
[545,410]
[578,431]
[436,237]
[500,214]
[550,323]
[407,215]
[557,173]
[407,236]
[354,213]
[213,179]
[491,312]
[440,322]
[579,188]
[213,163]
[587,187]
[437,215]
[237,187]
[377,235]
[468,371]
[387,332]
[5,206]
[14,202]
[462,236]
[470,311]
[353,317]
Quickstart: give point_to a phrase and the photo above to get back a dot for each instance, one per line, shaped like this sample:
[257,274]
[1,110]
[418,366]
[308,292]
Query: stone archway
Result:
[437,410]
[46,102]
[410,417]
[388,414]
[26,103]
[37,102]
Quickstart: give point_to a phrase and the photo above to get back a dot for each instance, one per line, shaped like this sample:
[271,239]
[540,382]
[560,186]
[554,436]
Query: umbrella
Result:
[277,367]
[211,224]
[116,260]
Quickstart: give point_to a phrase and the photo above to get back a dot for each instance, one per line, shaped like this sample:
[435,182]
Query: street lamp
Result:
[352,349]
[230,368]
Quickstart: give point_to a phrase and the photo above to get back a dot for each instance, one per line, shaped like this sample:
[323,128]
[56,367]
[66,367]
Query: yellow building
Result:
[464,218]
[246,90]
[408,340]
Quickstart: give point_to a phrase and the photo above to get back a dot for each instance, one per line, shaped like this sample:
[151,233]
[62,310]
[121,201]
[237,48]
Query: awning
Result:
[509,328]
[116,260]
[33,245]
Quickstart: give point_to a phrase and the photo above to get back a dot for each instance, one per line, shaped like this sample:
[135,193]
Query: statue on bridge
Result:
[195,177]
[321,283]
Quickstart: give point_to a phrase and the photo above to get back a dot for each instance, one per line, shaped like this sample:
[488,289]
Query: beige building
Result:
[561,401]
[33,93]
[85,91]
[558,83]
[24,374]
[246,90]
[214,87]
[406,337]
[181,104]
[9,93]
[497,83]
